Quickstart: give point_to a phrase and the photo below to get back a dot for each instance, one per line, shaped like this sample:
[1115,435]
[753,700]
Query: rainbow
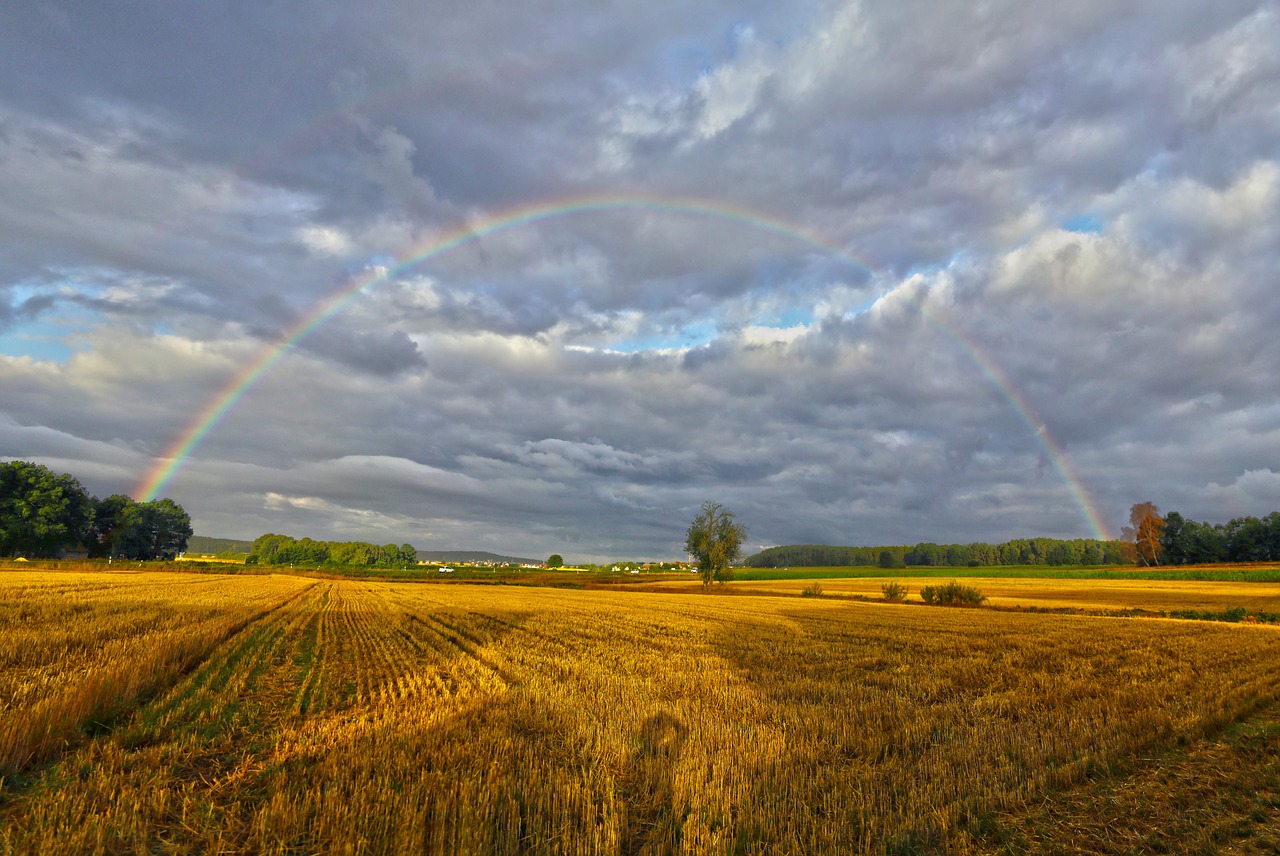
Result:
[208,418]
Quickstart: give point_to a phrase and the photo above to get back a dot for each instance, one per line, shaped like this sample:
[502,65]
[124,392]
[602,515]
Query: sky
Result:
[539,278]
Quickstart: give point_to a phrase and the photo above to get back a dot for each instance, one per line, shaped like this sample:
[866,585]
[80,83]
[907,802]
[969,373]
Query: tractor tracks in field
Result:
[366,646]
[133,695]
[516,627]
[310,658]
[238,680]
[473,633]
[468,645]
[322,649]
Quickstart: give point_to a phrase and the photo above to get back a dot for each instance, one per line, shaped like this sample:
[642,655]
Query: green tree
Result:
[350,553]
[108,525]
[555,560]
[1173,540]
[927,554]
[715,541]
[41,512]
[171,527]
[893,557]
[267,547]
[1249,539]
[958,555]
[158,529]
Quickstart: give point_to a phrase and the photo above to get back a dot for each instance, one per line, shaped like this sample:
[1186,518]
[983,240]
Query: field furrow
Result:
[313,650]
[143,637]
[249,670]
[464,644]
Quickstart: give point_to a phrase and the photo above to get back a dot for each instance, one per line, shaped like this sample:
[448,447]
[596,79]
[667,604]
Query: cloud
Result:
[377,353]
[326,240]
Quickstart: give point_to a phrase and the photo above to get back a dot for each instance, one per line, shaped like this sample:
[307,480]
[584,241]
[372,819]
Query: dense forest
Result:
[1244,539]
[271,549]
[1173,539]
[1022,551]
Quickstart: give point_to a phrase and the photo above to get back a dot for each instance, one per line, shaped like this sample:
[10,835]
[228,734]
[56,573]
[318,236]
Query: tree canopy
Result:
[1242,539]
[122,528]
[43,513]
[1020,551]
[715,541]
[272,549]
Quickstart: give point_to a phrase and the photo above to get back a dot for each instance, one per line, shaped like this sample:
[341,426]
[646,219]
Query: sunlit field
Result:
[76,649]
[286,714]
[1149,595]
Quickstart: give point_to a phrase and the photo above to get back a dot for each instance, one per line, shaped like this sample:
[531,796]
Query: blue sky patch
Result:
[40,344]
[1088,224]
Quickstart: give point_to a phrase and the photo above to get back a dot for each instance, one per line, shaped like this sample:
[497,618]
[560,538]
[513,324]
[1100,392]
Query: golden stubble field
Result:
[288,715]
[1012,592]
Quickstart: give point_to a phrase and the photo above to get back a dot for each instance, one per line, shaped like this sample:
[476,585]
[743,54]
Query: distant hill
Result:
[467,557]
[205,544]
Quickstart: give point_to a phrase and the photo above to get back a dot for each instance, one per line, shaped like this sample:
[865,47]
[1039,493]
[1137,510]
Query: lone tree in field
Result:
[715,541]
[1145,533]
[555,560]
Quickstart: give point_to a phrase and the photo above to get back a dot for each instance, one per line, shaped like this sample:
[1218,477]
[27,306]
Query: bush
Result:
[812,590]
[894,591]
[952,594]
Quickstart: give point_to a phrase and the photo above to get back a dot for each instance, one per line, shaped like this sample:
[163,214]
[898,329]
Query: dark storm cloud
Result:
[180,187]
[377,353]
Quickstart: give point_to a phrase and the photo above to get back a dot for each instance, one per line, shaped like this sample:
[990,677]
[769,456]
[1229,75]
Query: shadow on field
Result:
[804,782]
[651,826]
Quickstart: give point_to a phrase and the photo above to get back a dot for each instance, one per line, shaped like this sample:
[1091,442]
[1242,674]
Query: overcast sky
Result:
[883,272]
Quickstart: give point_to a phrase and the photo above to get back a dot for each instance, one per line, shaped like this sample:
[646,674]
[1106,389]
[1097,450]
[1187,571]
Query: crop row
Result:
[77,649]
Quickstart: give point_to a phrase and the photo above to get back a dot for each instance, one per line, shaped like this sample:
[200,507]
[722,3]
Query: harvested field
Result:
[1150,595]
[77,649]
[362,716]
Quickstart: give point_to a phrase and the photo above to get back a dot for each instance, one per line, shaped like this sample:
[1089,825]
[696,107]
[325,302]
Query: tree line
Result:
[1150,539]
[1244,539]
[272,549]
[44,514]
[1020,551]
[1173,540]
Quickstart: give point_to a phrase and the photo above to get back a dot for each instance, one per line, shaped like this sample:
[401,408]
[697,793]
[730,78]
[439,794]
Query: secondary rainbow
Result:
[168,465]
